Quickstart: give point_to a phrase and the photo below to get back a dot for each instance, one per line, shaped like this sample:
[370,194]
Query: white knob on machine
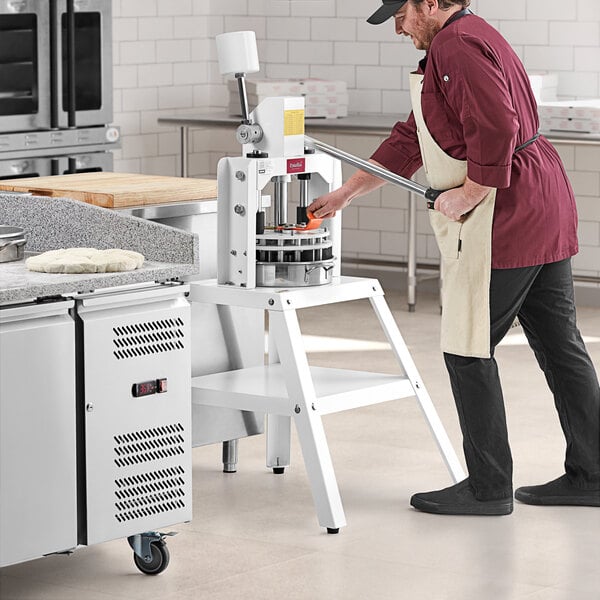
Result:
[237,52]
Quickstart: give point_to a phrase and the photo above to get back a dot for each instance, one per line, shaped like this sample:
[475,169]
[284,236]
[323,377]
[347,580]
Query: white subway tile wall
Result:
[165,65]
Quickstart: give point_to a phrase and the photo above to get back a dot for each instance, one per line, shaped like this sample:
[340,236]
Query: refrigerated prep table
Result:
[95,420]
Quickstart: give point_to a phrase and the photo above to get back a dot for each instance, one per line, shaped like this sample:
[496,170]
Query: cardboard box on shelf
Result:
[309,99]
[323,98]
[578,125]
[329,111]
[289,87]
[571,115]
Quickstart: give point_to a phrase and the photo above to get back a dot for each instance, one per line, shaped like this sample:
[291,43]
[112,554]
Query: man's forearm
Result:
[362,183]
[359,184]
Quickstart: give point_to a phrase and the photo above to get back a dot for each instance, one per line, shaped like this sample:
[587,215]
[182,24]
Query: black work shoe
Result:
[459,499]
[559,492]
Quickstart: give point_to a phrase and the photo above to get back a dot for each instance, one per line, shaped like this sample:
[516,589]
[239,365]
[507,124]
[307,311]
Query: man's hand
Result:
[359,184]
[326,206]
[457,202]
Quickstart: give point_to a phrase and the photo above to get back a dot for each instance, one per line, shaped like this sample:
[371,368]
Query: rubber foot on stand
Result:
[278,470]
[412,307]
[227,469]
[333,530]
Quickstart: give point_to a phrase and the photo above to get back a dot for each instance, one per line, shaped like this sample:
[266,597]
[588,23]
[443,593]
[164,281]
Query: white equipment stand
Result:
[289,388]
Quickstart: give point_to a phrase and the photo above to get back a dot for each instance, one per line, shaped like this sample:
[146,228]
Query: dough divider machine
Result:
[271,264]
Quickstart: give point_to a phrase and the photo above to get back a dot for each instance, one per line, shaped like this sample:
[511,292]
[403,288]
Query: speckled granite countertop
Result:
[55,223]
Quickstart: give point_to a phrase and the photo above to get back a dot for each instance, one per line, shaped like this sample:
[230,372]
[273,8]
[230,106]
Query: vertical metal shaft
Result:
[243,96]
[183,130]
[280,199]
[304,193]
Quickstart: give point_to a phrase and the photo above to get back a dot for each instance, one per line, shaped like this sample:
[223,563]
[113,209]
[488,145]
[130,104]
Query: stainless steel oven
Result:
[56,87]
[81,54]
[55,64]
[83,162]
[24,65]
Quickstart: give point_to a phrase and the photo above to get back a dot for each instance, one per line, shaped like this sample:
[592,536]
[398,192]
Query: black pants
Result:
[542,298]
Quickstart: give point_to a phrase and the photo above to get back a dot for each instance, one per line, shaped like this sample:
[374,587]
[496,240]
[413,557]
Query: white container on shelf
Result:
[544,86]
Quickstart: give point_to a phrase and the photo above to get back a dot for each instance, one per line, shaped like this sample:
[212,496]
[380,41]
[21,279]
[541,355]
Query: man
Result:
[506,228]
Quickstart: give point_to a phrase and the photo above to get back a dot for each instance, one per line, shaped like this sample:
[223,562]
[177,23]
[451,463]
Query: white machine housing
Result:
[241,181]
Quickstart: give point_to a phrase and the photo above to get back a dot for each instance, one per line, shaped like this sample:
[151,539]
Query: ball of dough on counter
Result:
[130,254]
[70,264]
[85,260]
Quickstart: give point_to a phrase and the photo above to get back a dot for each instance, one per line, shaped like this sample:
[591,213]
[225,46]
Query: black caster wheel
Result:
[158,562]
[278,470]
[333,530]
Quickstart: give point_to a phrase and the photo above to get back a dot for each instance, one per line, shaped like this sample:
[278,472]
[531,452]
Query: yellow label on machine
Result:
[293,122]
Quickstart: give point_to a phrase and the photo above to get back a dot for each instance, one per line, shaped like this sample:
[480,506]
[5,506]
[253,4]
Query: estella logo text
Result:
[296,165]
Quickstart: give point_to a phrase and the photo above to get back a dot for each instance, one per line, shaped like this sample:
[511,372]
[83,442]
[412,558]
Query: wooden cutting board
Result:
[116,190]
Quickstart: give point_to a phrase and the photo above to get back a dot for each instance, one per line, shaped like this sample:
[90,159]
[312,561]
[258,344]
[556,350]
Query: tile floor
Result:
[255,536]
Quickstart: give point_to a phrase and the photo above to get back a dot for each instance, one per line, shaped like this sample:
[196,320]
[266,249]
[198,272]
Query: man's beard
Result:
[428,28]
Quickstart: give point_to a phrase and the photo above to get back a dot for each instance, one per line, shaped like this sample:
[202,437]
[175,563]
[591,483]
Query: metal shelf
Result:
[264,388]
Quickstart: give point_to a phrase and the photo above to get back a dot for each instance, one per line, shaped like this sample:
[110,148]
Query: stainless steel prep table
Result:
[375,124]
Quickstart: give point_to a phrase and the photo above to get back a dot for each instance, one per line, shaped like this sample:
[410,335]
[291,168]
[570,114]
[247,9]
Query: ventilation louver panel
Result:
[150,444]
[147,338]
[148,494]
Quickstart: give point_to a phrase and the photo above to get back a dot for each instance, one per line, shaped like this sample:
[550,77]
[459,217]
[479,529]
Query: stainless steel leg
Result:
[412,252]
[230,456]
[278,442]
[183,130]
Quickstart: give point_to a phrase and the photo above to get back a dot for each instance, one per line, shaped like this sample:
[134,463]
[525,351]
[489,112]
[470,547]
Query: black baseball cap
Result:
[388,9]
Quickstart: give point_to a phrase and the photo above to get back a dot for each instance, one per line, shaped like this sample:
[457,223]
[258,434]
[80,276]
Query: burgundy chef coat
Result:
[478,106]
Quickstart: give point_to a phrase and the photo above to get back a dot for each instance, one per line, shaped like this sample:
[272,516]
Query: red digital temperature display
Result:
[147,388]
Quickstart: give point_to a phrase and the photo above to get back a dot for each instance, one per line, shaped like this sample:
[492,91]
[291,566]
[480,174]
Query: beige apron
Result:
[465,248]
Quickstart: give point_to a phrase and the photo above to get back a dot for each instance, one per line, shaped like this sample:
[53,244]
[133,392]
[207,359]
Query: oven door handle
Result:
[71,95]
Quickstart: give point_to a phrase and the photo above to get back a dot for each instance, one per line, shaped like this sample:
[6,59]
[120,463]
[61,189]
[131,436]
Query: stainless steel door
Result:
[137,430]
[92,63]
[24,65]
[25,167]
[86,162]
[38,494]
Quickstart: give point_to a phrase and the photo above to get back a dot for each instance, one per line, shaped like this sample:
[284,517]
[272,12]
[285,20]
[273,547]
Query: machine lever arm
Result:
[429,194]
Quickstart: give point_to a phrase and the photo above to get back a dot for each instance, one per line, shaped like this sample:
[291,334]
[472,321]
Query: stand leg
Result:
[278,442]
[230,456]
[412,253]
[285,329]
[278,426]
[405,359]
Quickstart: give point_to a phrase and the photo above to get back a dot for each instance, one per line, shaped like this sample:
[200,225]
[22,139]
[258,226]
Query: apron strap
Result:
[527,143]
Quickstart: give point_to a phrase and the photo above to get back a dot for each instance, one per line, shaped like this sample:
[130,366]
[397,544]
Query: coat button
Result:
[446,77]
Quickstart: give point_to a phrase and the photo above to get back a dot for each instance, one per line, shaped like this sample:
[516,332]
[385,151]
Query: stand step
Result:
[263,388]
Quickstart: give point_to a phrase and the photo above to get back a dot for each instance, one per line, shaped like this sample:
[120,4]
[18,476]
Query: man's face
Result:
[417,23]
